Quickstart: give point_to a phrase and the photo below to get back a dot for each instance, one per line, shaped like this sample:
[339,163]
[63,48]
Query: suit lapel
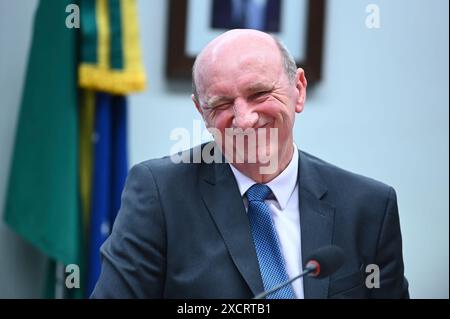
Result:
[316,221]
[221,196]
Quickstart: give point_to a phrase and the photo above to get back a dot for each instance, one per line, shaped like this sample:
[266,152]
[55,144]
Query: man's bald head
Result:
[241,38]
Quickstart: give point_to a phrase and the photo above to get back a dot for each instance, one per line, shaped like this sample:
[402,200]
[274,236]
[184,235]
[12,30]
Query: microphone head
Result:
[325,261]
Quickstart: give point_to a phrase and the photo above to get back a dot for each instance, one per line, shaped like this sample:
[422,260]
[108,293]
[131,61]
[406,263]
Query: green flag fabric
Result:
[42,203]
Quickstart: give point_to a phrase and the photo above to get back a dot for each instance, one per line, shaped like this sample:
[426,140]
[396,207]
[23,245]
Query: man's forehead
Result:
[253,62]
[237,37]
[244,49]
[236,42]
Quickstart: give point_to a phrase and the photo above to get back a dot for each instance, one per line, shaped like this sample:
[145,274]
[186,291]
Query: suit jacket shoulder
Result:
[365,223]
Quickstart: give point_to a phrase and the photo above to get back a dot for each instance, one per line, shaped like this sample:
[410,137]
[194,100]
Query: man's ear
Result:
[197,105]
[300,86]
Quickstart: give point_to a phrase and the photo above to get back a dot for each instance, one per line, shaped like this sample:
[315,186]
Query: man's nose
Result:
[244,116]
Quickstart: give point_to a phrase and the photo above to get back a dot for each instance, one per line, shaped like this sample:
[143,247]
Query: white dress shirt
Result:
[284,208]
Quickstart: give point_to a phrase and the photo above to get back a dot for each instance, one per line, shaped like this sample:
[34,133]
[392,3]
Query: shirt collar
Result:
[282,186]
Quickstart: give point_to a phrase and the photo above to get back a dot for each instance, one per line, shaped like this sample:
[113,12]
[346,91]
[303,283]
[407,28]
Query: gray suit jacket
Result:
[182,232]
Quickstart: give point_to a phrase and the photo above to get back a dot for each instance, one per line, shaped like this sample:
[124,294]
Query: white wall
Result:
[381,110]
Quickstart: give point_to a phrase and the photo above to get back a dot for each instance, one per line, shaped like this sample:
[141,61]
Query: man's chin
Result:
[260,156]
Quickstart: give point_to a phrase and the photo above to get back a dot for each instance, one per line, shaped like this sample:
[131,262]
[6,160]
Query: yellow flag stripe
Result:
[87,117]
[103,33]
[130,36]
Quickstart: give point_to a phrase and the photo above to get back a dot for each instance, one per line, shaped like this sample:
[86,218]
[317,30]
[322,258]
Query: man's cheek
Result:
[220,123]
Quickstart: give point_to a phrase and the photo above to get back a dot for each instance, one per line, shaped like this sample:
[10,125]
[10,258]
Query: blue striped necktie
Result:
[270,259]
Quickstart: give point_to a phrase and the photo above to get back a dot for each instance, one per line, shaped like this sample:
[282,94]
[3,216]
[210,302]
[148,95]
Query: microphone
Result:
[320,264]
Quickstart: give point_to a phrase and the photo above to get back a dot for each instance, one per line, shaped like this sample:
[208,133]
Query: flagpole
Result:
[59,280]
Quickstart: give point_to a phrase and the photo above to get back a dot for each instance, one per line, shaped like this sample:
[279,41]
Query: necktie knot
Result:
[258,192]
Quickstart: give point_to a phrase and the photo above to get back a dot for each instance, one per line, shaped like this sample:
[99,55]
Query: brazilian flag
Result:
[70,155]
[110,67]
[42,203]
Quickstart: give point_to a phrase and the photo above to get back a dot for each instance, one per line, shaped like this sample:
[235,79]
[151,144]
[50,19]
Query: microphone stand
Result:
[308,269]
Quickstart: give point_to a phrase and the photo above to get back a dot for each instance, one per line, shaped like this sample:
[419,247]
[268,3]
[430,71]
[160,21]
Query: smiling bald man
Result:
[244,218]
